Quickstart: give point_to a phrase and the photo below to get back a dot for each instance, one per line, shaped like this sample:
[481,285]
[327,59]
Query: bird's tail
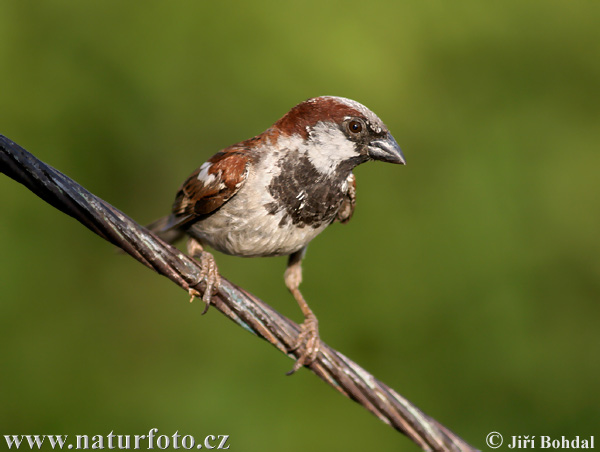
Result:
[163,229]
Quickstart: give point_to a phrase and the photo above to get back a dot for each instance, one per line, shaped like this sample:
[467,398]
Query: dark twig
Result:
[237,304]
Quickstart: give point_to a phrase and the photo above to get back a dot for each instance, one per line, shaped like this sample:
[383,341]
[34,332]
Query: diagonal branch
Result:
[240,306]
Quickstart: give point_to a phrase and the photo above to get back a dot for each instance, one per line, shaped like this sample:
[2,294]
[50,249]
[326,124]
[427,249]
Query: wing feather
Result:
[210,186]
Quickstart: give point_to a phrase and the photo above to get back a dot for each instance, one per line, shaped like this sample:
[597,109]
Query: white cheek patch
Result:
[328,147]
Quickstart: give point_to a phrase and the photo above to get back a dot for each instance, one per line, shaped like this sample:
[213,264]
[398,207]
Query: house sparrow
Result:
[272,194]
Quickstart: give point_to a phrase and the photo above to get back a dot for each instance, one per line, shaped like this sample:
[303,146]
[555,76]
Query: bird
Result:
[272,194]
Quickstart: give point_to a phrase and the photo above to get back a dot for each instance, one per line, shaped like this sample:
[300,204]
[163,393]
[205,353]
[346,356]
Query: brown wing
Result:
[347,207]
[210,186]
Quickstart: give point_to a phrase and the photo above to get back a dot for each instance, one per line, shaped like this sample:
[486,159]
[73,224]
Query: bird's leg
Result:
[208,274]
[308,341]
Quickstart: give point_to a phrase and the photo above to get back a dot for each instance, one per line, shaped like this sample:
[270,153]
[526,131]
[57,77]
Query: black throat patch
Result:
[306,196]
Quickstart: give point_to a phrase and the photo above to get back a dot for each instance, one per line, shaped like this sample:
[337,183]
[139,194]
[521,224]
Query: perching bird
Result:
[272,194]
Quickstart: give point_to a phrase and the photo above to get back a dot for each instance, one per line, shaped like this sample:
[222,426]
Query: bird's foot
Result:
[308,343]
[210,275]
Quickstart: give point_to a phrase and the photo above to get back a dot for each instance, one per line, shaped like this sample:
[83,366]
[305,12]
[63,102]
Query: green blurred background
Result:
[468,280]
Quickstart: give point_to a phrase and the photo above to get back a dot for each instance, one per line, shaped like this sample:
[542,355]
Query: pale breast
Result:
[283,205]
[245,228]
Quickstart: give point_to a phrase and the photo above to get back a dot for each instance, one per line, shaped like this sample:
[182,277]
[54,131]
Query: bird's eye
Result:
[355,127]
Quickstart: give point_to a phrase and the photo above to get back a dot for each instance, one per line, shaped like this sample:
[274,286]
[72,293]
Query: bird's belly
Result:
[253,232]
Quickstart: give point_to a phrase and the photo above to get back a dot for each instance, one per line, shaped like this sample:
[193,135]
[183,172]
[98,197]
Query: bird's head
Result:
[335,131]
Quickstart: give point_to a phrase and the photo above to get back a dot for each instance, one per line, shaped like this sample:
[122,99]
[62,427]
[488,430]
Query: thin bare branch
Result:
[240,306]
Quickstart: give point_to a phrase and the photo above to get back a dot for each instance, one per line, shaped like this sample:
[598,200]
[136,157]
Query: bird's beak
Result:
[387,150]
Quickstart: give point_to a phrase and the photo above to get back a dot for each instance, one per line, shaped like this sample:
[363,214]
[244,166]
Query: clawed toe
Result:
[209,274]
[194,294]
[308,344]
